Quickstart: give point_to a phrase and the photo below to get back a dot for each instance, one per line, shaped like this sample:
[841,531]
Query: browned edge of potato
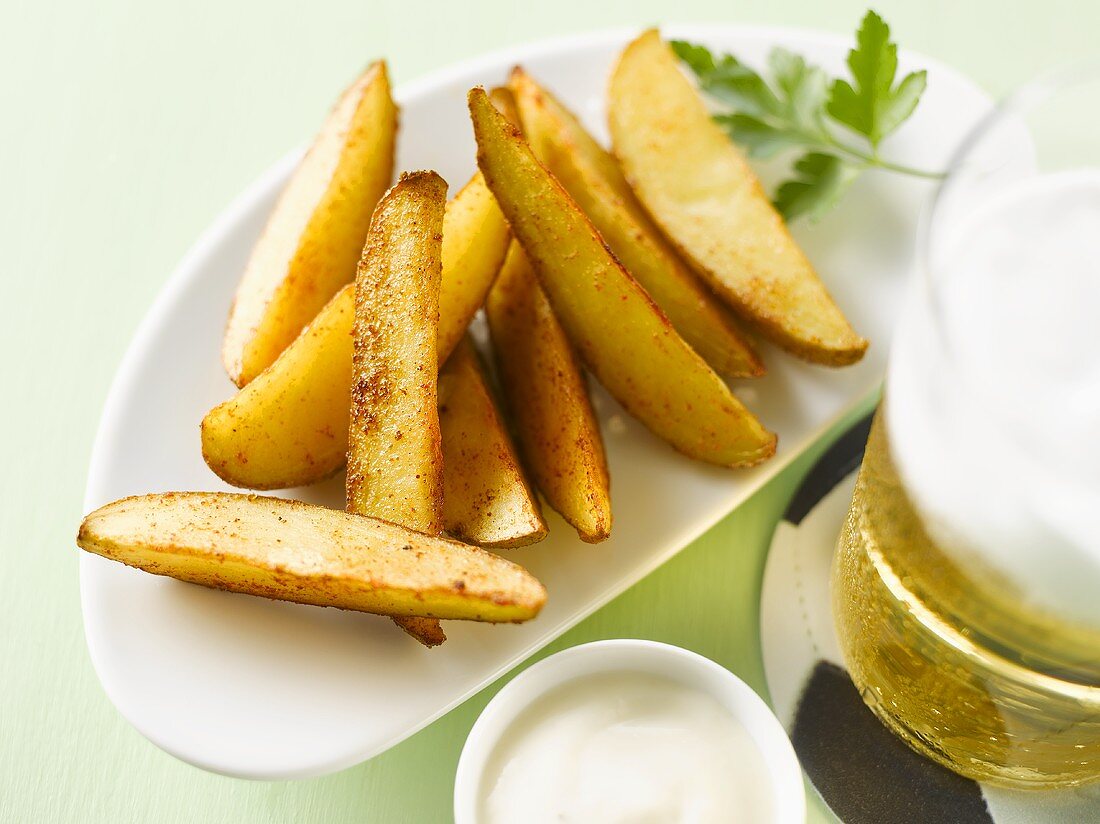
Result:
[395,458]
[593,179]
[311,244]
[608,316]
[547,397]
[699,189]
[428,631]
[293,551]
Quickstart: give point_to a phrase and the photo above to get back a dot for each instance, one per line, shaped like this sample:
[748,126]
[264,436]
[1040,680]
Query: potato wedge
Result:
[701,192]
[595,182]
[395,462]
[619,332]
[475,240]
[486,498]
[428,631]
[548,399]
[313,238]
[505,101]
[289,427]
[546,388]
[293,551]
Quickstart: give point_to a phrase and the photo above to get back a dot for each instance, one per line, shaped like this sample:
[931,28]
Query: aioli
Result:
[626,747]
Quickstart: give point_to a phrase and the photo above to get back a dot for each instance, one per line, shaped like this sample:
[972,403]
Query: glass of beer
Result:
[966,583]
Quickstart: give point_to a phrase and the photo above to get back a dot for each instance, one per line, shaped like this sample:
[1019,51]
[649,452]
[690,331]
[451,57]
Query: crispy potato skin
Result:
[594,180]
[313,238]
[428,631]
[475,240]
[486,498]
[395,461]
[294,551]
[289,427]
[609,318]
[548,399]
[698,188]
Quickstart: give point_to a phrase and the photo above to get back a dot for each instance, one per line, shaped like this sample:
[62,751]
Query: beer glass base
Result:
[929,678]
[985,772]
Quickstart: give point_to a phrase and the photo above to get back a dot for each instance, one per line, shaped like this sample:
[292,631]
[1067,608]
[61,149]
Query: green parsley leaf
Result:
[874,107]
[903,102]
[758,137]
[798,107]
[802,88]
[698,58]
[820,182]
[729,80]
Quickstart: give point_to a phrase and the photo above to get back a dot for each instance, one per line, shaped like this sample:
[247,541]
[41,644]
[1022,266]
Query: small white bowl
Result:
[652,658]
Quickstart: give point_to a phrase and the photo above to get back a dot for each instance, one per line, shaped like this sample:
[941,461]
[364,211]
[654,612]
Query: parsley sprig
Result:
[802,108]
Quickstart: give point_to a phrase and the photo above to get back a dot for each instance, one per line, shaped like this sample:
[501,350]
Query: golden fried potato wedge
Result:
[475,240]
[299,552]
[619,332]
[595,182]
[428,631]
[505,101]
[315,234]
[701,192]
[545,386]
[395,462]
[548,399]
[289,427]
[486,498]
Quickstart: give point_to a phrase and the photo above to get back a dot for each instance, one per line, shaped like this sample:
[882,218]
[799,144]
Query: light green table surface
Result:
[124,128]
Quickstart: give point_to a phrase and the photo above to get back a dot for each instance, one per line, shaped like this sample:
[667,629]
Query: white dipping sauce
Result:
[626,747]
[995,423]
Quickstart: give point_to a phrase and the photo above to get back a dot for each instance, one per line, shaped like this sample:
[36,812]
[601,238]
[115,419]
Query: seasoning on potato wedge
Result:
[289,426]
[548,399]
[293,551]
[486,498]
[619,332]
[395,462]
[699,189]
[428,631]
[313,238]
[593,179]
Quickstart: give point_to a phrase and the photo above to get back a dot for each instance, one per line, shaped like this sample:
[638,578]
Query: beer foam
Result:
[993,392]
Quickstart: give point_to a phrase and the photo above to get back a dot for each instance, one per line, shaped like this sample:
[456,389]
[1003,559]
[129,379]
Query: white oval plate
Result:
[255,688]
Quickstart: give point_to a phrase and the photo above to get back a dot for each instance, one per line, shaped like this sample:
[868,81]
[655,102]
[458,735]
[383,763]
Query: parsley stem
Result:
[909,170]
[873,161]
[829,143]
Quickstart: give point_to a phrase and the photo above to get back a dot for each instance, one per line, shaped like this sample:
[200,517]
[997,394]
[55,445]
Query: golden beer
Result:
[954,663]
